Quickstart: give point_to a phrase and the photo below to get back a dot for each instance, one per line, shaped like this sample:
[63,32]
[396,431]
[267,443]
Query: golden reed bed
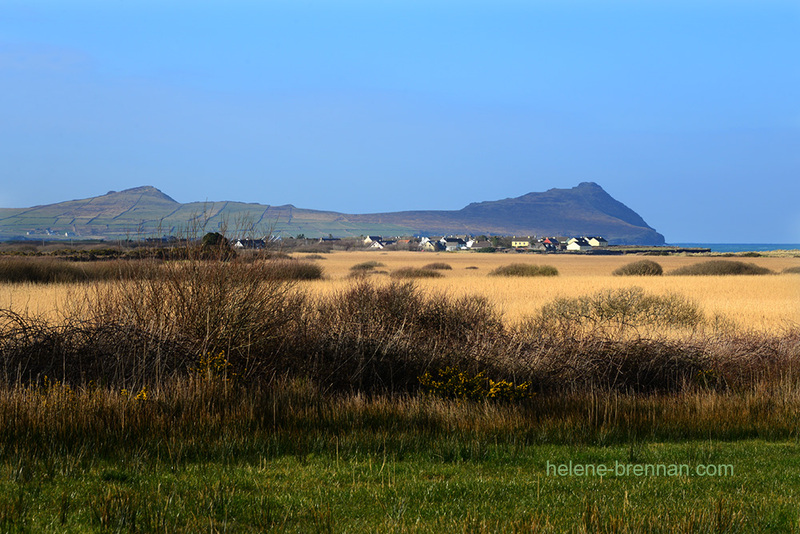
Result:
[752,302]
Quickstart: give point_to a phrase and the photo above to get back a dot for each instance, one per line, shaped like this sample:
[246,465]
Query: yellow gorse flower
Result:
[214,367]
[454,383]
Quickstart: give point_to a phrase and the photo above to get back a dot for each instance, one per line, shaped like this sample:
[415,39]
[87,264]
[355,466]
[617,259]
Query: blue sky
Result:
[688,112]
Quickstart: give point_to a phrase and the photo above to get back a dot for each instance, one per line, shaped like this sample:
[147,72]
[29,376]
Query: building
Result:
[453,243]
[578,244]
[251,244]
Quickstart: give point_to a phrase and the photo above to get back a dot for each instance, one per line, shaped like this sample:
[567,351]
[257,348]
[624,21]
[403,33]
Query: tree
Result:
[215,240]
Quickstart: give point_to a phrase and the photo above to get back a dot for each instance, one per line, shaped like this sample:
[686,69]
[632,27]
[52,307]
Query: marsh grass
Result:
[374,338]
[524,269]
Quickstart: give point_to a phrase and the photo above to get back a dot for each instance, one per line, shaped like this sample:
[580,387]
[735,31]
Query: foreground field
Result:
[201,395]
[503,489]
[204,456]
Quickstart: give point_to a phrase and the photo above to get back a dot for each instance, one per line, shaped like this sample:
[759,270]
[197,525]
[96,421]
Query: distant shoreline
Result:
[740,247]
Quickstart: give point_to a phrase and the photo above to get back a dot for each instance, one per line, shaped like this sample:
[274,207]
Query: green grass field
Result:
[472,486]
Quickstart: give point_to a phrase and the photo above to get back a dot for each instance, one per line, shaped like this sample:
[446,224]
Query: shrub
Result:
[49,270]
[525,269]
[640,268]
[471,267]
[792,270]
[383,337]
[413,272]
[618,310]
[720,267]
[438,266]
[142,330]
[366,266]
[291,270]
[215,240]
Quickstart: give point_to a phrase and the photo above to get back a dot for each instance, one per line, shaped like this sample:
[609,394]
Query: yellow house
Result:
[597,241]
[521,243]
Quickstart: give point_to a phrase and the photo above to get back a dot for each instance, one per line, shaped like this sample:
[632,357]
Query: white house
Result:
[453,243]
[578,243]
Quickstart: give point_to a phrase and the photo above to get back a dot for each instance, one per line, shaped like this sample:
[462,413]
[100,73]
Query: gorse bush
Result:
[525,269]
[452,382]
[719,268]
[640,268]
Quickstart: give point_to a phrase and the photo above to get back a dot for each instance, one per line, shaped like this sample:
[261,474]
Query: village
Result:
[439,243]
[484,243]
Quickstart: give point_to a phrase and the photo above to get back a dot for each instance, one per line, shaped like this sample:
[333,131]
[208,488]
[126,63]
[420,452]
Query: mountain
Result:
[145,211]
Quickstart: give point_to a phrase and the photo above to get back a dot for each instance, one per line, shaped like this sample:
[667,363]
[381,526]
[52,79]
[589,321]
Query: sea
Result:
[741,247]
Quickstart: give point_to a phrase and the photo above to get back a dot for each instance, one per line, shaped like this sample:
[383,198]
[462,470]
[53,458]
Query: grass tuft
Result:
[525,269]
[438,266]
[720,268]
[366,266]
[414,272]
[640,268]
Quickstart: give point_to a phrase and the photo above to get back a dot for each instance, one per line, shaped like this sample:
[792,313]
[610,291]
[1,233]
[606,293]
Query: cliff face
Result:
[582,210]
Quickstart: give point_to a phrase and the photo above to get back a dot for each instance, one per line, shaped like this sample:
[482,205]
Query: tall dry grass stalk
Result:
[196,416]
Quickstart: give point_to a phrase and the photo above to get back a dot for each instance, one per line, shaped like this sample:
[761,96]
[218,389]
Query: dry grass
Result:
[763,302]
